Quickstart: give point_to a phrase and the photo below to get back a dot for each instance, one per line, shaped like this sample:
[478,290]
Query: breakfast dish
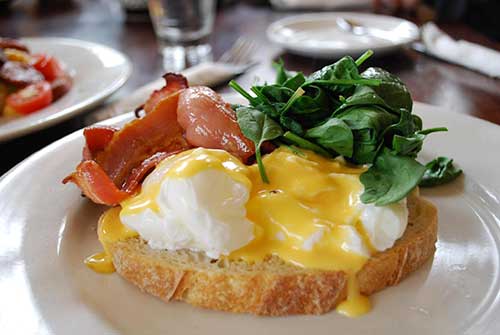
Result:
[94,72]
[47,229]
[302,201]
[29,82]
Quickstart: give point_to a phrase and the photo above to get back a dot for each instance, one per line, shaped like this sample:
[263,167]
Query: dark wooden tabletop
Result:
[102,21]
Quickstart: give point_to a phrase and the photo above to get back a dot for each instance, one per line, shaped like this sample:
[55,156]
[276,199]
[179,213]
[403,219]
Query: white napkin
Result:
[467,54]
[319,4]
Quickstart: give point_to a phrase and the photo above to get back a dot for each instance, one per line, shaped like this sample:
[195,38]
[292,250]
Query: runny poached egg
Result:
[310,214]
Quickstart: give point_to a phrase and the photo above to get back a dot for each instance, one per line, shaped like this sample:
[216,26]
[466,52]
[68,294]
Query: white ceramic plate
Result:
[97,71]
[47,229]
[317,35]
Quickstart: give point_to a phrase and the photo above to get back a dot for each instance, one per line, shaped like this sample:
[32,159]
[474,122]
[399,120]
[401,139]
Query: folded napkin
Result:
[207,74]
[319,4]
[467,54]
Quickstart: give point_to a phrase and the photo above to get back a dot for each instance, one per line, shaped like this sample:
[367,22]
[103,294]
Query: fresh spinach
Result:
[390,178]
[366,117]
[439,171]
[391,89]
[258,127]
[301,142]
[281,74]
[334,135]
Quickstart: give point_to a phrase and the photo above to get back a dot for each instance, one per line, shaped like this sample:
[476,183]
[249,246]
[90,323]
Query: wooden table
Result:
[102,21]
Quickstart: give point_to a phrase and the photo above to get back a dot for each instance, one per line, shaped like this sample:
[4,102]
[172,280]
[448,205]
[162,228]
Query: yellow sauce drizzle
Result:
[304,215]
[185,165]
[109,229]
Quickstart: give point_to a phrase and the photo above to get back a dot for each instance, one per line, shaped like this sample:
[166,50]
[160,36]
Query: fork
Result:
[355,28]
[235,61]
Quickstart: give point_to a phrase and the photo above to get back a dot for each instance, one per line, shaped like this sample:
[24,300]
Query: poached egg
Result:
[310,214]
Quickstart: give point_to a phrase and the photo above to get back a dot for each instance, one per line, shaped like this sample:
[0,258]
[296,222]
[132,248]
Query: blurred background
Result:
[211,27]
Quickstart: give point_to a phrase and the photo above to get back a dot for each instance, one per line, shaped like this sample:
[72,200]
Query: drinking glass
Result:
[182,28]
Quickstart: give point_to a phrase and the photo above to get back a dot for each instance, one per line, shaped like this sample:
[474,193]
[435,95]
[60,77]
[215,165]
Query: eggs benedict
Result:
[225,207]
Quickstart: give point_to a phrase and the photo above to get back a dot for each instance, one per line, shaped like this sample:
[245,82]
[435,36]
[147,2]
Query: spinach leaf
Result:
[258,127]
[335,135]
[295,82]
[363,95]
[314,99]
[439,171]
[408,146]
[365,117]
[390,178]
[281,74]
[301,142]
[275,93]
[391,89]
[404,127]
[345,68]
[412,144]
[368,124]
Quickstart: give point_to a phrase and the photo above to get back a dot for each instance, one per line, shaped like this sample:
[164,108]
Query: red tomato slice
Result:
[48,66]
[31,98]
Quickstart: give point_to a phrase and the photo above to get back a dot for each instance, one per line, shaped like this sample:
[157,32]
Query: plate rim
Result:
[77,108]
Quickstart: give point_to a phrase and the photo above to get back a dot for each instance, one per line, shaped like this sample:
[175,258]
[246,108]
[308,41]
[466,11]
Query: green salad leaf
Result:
[390,178]
[364,116]
[439,171]
[258,127]
[335,135]
[391,89]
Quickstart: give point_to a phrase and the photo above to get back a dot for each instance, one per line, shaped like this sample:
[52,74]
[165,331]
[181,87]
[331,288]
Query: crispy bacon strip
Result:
[116,161]
[139,173]
[98,137]
[95,184]
[174,82]
[139,139]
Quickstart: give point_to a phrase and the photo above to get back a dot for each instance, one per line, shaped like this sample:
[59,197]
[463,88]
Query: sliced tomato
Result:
[31,98]
[48,66]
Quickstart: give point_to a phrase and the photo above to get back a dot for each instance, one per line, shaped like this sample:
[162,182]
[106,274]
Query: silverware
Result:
[351,26]
[354,28]
[240,54]
[235,61]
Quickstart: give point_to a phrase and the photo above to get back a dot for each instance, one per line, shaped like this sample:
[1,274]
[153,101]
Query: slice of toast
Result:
[272,287]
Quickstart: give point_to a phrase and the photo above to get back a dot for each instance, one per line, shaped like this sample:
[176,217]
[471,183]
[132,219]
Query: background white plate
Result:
[317,35]
[98,71]
[47,229]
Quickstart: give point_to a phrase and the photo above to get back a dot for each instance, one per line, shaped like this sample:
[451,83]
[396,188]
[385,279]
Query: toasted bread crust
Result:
[272,287]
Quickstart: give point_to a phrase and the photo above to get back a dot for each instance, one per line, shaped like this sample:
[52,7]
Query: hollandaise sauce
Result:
[308,214]
[109,229]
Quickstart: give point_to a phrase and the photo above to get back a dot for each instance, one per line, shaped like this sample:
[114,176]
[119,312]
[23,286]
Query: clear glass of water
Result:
[183,28]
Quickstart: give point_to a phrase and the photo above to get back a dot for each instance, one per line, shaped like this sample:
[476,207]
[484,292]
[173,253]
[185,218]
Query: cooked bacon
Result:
[139,173]
[97,138]
[211,123]
[141,138]
[12,44]
[125,156]
[96,184]
[19,74]
[176,118]
[174,82]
